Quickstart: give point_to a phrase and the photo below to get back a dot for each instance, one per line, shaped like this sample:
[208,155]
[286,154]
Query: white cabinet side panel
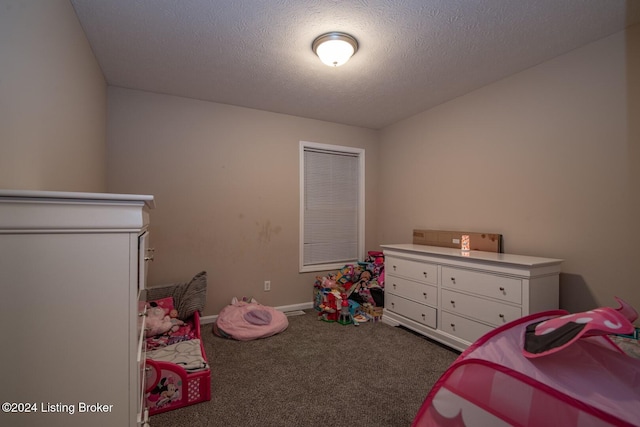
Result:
[67,300]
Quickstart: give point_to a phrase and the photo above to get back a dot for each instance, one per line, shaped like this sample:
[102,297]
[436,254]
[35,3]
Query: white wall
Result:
[52,100]
[226,182]
[548,157]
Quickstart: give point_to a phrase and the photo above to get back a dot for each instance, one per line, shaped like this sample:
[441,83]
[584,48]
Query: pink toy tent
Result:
[495,382]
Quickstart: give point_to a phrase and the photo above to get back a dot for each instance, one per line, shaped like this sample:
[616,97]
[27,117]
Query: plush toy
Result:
[329,282]
[158,322]
[328,308]
[365,276]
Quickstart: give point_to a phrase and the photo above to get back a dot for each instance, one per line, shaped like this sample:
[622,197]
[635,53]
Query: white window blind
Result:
[331,206]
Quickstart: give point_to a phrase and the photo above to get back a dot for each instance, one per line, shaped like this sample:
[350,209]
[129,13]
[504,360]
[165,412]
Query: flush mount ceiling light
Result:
[334,49]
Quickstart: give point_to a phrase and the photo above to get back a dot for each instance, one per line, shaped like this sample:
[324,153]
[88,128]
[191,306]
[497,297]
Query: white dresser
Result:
[71,274]
[455,297]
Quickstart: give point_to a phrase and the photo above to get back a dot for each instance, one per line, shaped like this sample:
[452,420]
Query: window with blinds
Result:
[331,206]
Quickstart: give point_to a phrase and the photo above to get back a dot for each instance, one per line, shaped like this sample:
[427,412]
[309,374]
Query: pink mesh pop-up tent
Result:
[578,377]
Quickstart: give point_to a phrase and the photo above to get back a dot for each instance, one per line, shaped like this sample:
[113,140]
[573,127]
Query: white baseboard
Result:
[292,307]
[208,319]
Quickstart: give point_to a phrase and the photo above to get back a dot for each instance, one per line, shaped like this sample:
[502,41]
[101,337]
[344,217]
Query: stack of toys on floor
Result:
[354,294]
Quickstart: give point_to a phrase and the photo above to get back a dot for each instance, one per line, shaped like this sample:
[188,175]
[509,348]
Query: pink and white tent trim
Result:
[588,383]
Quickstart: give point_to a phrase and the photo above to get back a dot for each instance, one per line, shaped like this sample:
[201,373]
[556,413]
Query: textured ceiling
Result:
[414,54]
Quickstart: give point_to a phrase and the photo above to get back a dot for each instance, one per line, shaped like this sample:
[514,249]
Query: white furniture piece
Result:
[71,275]
[455,296]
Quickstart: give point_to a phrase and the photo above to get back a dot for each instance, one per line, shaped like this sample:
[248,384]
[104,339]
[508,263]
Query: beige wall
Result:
[548,157]
[226,185]
[52,100]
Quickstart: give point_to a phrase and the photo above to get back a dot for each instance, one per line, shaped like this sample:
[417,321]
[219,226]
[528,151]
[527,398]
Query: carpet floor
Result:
[316,373]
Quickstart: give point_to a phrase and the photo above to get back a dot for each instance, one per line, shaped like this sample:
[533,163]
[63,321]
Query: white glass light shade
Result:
[334,49]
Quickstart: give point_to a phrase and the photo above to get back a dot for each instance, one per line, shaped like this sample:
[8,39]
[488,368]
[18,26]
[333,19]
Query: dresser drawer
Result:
[423,272]
[493,286]
[419,292]
[493,312]
[460,327]
[411,309]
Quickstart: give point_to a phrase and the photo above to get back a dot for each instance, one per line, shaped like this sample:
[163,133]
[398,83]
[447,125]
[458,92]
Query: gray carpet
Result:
[316,373]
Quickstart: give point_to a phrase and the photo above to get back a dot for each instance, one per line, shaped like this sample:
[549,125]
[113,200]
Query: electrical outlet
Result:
[267,285]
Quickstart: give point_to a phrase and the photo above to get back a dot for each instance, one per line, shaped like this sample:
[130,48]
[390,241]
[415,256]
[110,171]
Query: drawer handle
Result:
[424,294]
[148,258]
[393,305]
[394,286]
[501,316]
[453,326]
[425,274]
[501,289]
[394,268]
[143,314]
[453,303]
[453,280]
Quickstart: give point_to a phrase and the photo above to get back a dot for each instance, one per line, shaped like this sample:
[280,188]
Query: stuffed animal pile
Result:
[362,284]
[161,321]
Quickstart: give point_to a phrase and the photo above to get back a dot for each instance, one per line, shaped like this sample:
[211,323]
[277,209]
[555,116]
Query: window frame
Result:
[356,152]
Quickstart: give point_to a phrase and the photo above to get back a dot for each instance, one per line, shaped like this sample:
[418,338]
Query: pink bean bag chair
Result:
[249,320]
